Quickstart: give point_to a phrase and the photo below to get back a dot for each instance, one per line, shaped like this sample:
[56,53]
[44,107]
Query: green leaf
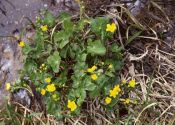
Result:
[62,38]
[98,25]
[54,61]
[115,48]
[81,94]
[81,57]
[26,49]
[110,74]
[30,66]
[39,38]
[68,26]
[49,48]
[81,24]
[94,94]
[64,16]
[53,108]
[89,85]
[49,19]
[96,48]
[64,51]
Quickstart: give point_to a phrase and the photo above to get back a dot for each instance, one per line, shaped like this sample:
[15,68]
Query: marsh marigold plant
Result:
[72,60]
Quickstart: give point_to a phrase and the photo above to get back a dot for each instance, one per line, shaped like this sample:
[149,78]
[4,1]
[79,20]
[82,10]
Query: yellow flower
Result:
[89,70]
[51,88]
[108,100]
[92,69]
[127,101]
[94,77]
[115,91]
[71,105]
[48,80]
[132,83]
[21,43]
[8,86]
[43,92]
[44,28]
[111,27]
[110,66]
[123,81]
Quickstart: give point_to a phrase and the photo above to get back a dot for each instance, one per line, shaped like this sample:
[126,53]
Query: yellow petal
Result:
[21,44]
[43,92]
[71,105]
[94,77]
[51,88]
[44,28]
[132,83]
[108,100]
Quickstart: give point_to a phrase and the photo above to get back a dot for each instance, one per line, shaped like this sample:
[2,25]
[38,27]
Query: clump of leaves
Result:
[71,60]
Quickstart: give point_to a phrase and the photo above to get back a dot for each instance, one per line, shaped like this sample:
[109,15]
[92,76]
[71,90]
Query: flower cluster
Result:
[112,93]
[92,69]
[49,88]
[115,91]
[93,75]
[42,68]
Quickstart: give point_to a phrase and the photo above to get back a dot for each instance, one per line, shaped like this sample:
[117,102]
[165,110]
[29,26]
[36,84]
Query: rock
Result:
[22,97]
[10,64]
